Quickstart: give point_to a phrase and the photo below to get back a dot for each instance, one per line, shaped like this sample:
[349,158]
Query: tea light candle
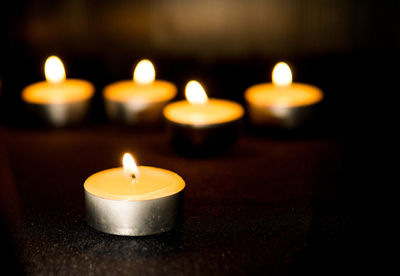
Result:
[58,101]
[281,103]
[141,101]
[133,200]
[202,125]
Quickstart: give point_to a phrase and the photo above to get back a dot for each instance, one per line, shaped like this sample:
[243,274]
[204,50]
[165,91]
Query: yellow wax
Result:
[296,94]
[215,111]
[125,91]
[67,91]
[152,183]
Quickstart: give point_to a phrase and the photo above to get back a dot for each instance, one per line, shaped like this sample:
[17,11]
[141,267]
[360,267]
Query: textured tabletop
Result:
[271,204]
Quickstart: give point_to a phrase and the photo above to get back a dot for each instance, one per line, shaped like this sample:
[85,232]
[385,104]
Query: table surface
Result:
[270,204]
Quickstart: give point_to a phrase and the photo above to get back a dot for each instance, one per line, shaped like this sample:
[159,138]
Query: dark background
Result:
[309,195]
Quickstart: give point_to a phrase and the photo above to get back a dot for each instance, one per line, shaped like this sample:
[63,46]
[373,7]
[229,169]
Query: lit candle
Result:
[281,103]
[139,101]
[58,101]
[133,200]
[200,124]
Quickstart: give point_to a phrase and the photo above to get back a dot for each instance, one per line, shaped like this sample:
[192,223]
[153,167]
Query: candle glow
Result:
[282,75]
[195,93]
[130,169]
[54,70]
[144,72]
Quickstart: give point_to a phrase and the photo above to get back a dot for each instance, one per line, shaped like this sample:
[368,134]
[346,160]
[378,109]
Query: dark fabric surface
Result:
[275,204]
[271,205]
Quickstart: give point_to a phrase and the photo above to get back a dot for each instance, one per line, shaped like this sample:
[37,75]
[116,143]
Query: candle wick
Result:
[133,176]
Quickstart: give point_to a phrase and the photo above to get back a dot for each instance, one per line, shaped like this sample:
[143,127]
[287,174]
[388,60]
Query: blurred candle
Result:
[281,103]
[58,101]
[133,200]
[200,124]
[139,101]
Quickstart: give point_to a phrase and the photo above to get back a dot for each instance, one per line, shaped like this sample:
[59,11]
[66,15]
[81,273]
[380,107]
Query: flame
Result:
[195,93]
[282,75]
[144,72]
[131,171]
[54,70]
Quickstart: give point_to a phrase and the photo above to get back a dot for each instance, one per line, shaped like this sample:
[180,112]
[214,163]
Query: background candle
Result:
[201,125]
[282,103]
[133,201]
[58,101]
[140,101]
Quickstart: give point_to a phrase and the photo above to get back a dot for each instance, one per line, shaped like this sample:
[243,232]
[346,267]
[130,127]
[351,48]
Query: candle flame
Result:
[282,75]
[54,70]
[144,72]
[131,171]
[195,93]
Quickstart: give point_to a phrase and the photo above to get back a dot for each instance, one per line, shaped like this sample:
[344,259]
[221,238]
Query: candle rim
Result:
[89,91]
[237,117]
[114,197]
[172,91]
[252,90]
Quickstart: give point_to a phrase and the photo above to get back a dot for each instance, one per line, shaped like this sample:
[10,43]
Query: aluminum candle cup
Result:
[139,101]
[133,218]
[61,110]
[137,104]
[58,101]
[151,205]
[201,125]
[203,139]
[282,115]
[282,104]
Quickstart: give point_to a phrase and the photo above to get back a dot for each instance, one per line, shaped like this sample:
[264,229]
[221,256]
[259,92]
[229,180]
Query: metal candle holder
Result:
[134,218]
[135,113]
[60,114]
[203,139]
[280,116]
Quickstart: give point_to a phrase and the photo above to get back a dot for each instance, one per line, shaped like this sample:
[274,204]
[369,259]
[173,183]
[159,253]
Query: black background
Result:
[287,203]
